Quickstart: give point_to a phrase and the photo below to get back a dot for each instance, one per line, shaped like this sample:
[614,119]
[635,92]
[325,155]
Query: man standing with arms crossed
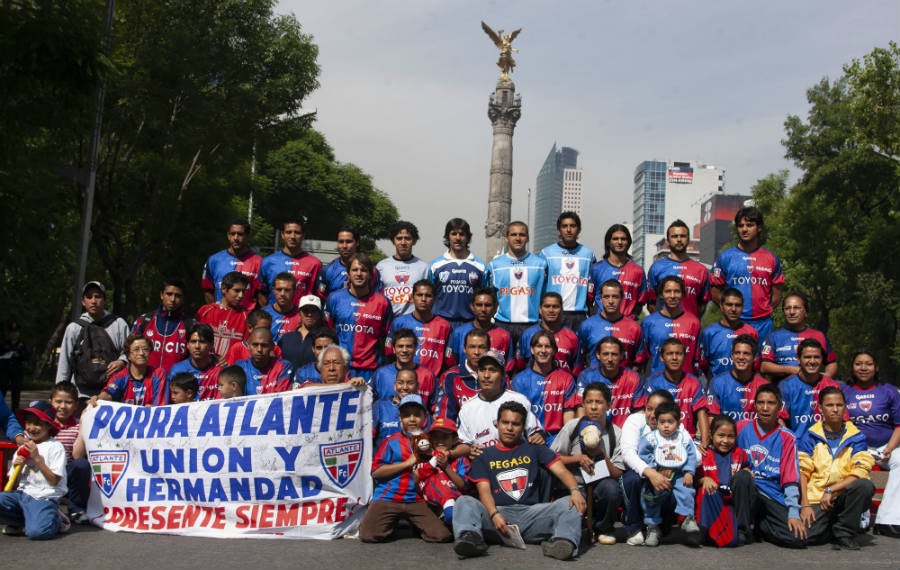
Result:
[679,264]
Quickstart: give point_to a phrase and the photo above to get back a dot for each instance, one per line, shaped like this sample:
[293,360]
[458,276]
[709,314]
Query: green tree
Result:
[833,226]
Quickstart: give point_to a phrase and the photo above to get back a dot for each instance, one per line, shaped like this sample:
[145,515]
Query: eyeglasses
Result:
[140,349]
[332,363]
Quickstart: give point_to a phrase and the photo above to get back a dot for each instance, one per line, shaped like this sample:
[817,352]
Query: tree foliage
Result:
[835,226]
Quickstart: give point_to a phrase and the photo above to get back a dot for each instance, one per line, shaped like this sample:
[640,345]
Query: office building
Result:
[558,190]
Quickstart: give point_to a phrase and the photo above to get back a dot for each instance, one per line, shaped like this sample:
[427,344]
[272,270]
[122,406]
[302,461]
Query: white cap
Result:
[307,300]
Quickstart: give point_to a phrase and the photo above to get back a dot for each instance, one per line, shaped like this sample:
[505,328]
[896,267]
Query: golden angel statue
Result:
[506,63]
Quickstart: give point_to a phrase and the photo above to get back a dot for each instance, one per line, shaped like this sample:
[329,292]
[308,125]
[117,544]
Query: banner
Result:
[288,465]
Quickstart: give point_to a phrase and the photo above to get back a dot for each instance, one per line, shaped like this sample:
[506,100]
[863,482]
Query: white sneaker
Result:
[636,539]
[652,536]
[689,525]
[64,523]
[607,539]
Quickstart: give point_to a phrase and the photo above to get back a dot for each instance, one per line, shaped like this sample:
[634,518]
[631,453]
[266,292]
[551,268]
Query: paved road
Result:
[89,547]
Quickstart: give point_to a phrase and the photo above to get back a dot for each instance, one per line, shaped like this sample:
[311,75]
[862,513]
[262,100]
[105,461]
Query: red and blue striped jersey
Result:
[627,389]
[305,268]
[333,277]
[283,323]
[773,458]
[568,355]
[401,488]
[688,394]
[208,378]
[277,377]
[385,376]
[630,275]
[434,336]
[781,345]
[695,277]
[499,338]
[456,388]
[595,328]
[714,348]
[222,263]
[801,402]
[550,395]
[657,327]
[362,325]
[753,274]
[152,390]
[725,394]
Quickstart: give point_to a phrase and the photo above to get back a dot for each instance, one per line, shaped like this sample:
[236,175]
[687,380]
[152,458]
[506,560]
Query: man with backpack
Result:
[91,349]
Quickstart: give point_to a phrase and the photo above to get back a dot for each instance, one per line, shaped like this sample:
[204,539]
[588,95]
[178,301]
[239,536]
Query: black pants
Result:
[842,519]
[770,518]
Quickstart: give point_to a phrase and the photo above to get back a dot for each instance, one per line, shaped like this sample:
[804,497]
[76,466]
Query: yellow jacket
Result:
[822,468]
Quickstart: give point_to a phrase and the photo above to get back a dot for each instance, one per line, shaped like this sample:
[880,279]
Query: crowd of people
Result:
[525,399]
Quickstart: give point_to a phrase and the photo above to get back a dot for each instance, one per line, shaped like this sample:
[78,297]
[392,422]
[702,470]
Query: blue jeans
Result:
[652,502]
[539,522]
[39,517]
[79,478]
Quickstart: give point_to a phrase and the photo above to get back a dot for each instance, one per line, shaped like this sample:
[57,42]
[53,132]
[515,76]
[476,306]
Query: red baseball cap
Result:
[443,424]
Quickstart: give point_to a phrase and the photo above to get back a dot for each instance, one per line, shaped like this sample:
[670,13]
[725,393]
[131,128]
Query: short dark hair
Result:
[553,294]
[477,332]
[803,299]
[299,220]
[257,315]
[667,408]
[404,333]
[232,278]
[750,213]
[203,330]
[67,388]
[664,394]
[568,216]
[769,389]
[174,282]
[401,225]
[810,343]
[831,390]
[323,332]
[598,387]
[349,229]
[669,279]
[732,292]
[457,224]
[515,407]
[720,420]
[609,339]
[286,276]
[425,283]
[614,283]
[745,339]
[485,290]
[234,374]
[670,341]
[186,381]
[678,224]
[243,223]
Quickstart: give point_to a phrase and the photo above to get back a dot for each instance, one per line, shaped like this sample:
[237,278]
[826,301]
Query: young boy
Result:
[228,317]
[33,509]
[442,479]
[386,412]
[232,381]
[183,388]
[671,451]
[395,495]
[64,399]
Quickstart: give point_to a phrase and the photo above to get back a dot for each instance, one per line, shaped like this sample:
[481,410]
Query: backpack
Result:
[94,350]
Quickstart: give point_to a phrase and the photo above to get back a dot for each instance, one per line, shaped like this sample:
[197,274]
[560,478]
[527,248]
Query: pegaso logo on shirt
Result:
[513,482]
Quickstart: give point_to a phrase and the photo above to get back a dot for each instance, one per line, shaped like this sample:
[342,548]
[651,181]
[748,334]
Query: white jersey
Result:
[397,280]
[477,417]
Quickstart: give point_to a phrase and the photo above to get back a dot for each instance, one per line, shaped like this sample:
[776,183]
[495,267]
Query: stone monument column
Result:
[504,111]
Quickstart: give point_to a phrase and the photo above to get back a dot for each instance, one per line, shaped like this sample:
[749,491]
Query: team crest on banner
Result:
[513,482]
[108,468]
[341,460]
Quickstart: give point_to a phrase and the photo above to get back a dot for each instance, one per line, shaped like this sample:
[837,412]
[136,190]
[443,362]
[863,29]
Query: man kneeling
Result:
[505,477]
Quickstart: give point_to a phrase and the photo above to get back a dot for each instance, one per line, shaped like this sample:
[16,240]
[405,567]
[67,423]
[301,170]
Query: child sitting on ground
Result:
[442,479]
[671,451]
[33,508]
[724,480]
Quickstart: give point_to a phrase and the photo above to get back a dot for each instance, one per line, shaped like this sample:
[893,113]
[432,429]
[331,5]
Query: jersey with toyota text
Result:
[333,277]
[550,396]
[456,280]
[695,277]
[168,335]
[753,274]
[725,394]
[283,323]
[431,349]
[801,402]
[688,394]
[630,275]
[627,389]
[569,274]
[499,337]
[362,325]
[520,284]
[657,328]
[874,410]
[714,349]
[773,458]
[595,328]
[397,280]
[229,326]
[276,377]
[305,268]
[568,355]
[781,345]
[222,263]
[208,378]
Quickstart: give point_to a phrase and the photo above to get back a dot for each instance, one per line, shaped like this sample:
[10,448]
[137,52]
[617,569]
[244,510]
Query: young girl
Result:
[724,480]
[64,399]
[670,450]
[183,388]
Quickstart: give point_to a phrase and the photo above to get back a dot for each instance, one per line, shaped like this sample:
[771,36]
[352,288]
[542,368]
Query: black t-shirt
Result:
[296,349]
[512,472]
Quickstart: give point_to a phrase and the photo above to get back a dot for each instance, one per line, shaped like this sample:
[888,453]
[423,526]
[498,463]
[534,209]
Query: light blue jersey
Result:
[569,274]
[520,284]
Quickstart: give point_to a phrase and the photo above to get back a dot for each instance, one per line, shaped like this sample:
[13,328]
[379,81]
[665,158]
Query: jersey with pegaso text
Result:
[431,349]
[152,390]
[630,275]
[397,280]
[753,274]
[229,326]
[362,325]
[657,327]
[385,376]
[595,328]
[801,402]
[276,377]
[208,378]
[550,396]
[688,394]
[568,355]
[457,386]
[773,458]
[513,472]
[456,280]
[333,277]
[499,337]
[477,417]
[714,349]
[569,274]
[626,388]
[726,395]
[695,277]
[168,336]
[305,268]
[222,263]
[780,346]
[520,284]
[401,487]
[283,323]
[875,411]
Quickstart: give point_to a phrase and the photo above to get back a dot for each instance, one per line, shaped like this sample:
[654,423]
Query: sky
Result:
[405,86]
